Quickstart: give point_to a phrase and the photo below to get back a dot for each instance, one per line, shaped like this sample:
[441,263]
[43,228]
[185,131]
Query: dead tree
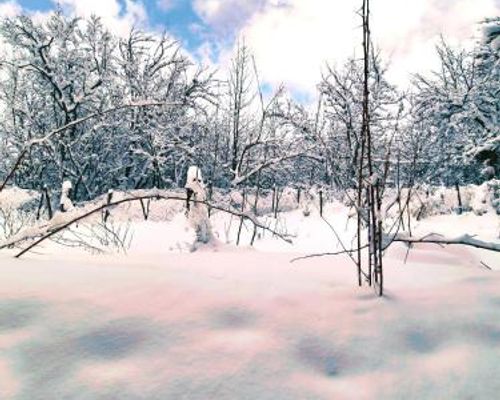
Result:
[368,191]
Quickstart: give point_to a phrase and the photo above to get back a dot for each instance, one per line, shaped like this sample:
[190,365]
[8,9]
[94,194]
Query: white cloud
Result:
[119,19]
[135,12]
[292,39]
[292,43]
[227,15]
[409,31]
[10,9]
[103,8]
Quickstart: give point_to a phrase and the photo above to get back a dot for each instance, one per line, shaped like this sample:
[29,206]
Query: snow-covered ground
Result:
[229,322]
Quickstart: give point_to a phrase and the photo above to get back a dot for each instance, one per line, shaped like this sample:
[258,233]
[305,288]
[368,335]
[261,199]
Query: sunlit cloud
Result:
[292,39]
[10,9]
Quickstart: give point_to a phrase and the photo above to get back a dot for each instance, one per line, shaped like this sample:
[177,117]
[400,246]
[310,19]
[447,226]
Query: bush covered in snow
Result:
[479,199]
[17,210]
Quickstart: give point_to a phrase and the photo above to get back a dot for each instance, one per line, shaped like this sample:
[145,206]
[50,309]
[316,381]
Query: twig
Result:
[348,251]
[485,265]
[340,241]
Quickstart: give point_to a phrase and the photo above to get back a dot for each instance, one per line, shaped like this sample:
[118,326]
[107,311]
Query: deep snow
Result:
[245,323]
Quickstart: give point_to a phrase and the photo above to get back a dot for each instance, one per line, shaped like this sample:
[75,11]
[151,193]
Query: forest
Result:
[110,112]
[174,229]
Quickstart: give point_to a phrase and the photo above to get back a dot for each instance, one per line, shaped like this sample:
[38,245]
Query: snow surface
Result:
[229,322]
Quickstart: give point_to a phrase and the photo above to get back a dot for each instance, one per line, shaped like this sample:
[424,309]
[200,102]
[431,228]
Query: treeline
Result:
[109,112]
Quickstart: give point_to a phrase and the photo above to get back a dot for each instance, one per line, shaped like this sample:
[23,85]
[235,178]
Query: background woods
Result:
[444,130]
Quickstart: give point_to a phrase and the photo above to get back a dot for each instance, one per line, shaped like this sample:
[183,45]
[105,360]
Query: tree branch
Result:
[79,214]
[465,239]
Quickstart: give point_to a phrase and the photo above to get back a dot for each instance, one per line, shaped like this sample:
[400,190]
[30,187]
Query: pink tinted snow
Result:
[230,324]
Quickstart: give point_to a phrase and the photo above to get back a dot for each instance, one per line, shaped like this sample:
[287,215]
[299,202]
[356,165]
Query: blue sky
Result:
[179,19]
[36,4]
[291,39]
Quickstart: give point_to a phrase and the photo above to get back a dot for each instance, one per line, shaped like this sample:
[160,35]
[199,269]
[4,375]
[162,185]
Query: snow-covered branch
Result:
[64,220]
[465,240]
[239,179]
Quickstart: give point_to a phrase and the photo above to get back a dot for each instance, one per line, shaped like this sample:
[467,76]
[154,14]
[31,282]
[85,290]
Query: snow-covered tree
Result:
[73,77]
[458,109]
[342,102]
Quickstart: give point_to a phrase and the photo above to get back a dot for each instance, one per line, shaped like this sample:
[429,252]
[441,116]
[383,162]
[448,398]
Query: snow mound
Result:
[12,198]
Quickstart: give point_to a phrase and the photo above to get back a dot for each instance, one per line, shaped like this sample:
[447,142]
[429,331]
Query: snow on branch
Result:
[433,238]
[69,125]
[239,179]
[466,240]
[64,220]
